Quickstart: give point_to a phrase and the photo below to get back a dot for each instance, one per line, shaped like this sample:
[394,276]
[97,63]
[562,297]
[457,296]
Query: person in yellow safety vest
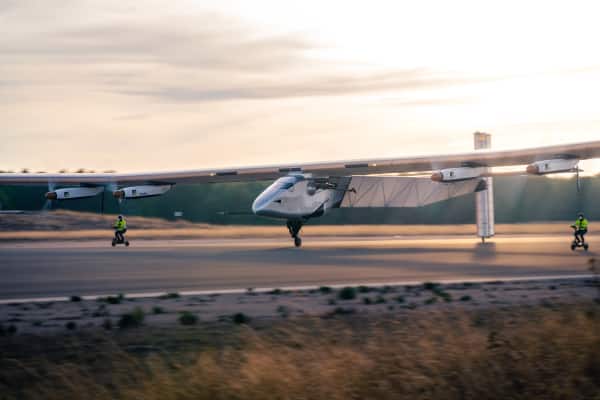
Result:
[120,226]
[581,227]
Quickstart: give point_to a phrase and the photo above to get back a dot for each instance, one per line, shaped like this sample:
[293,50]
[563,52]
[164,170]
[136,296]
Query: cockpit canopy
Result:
[271,193]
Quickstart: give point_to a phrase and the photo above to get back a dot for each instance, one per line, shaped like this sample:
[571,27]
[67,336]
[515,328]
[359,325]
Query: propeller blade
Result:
[47,206]
[111,187]
[102,203]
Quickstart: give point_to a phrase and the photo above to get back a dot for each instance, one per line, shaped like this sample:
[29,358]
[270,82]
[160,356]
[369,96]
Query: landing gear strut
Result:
[294,227]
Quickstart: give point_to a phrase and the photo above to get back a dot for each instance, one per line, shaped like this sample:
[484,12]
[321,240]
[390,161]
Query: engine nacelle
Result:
[457,174]
[553,166]
[74,193]
[139,192]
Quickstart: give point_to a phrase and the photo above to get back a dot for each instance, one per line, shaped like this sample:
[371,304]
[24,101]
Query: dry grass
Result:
[510,354]
[76,220]
[88,226]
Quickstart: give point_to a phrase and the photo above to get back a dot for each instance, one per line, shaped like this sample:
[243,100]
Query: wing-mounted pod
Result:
[553,166]
[462,173]
[74,193]
[140,192]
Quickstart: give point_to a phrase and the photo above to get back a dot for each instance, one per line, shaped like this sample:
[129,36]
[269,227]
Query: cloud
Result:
[319,86]
[205,40]
[198,57]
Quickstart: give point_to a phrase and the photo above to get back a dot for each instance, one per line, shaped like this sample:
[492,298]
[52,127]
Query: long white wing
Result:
[580,151]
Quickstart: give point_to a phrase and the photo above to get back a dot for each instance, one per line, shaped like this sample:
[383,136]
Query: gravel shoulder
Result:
[166,310]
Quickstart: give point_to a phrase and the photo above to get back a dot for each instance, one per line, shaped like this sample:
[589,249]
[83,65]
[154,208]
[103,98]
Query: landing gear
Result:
[294,227]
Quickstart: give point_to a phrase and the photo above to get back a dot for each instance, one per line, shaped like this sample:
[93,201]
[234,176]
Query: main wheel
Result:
[573,246]
[114,243]
[586,246]
[126,243]
[297,241]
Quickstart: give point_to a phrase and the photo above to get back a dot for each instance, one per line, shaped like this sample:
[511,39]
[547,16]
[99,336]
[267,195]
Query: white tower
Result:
[484,200]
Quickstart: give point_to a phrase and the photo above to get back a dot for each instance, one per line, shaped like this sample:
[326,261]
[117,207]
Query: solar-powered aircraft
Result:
[301,192]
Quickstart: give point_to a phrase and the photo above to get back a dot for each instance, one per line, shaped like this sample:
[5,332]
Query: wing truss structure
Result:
[388,191]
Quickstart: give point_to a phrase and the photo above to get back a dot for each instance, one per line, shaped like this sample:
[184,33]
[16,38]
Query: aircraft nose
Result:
[257,207]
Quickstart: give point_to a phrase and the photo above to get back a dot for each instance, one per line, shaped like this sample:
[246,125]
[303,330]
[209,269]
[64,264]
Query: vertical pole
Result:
[484,200]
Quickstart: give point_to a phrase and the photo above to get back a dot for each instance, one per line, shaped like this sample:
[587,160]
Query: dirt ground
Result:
[165,310]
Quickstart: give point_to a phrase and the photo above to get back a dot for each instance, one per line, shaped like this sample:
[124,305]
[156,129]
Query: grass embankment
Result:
[70,225]
[517,353]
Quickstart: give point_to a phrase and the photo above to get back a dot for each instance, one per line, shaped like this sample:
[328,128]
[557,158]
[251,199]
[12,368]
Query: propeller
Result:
[49,201]
[122,205]
[578,180]
[111,187]
[102,203]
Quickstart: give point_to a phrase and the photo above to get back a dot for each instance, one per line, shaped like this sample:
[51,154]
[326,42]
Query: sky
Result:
[155,85]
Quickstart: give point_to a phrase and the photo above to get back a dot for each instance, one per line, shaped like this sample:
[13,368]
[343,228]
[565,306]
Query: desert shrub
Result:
[7,330]
[430,285]
[132,319]
[107,324]
[172,295]
[343,311]
[443,295]
[75,298]
[188,318]
[367,300]
[431,300]
[363,289]
[113,299]
[380,300]
[101,311]
[465,298]
[71,325]
[400,299]
[283,311]
[325,289]
[347,293]
[386,289]
[240,318]
[157,310]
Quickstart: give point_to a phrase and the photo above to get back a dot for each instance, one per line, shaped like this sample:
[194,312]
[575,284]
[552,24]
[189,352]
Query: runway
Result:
[55,269]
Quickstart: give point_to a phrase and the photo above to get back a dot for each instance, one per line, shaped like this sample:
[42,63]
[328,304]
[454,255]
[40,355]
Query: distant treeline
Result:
[517,199]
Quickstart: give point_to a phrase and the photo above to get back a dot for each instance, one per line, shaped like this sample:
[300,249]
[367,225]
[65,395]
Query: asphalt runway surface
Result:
[54,269]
